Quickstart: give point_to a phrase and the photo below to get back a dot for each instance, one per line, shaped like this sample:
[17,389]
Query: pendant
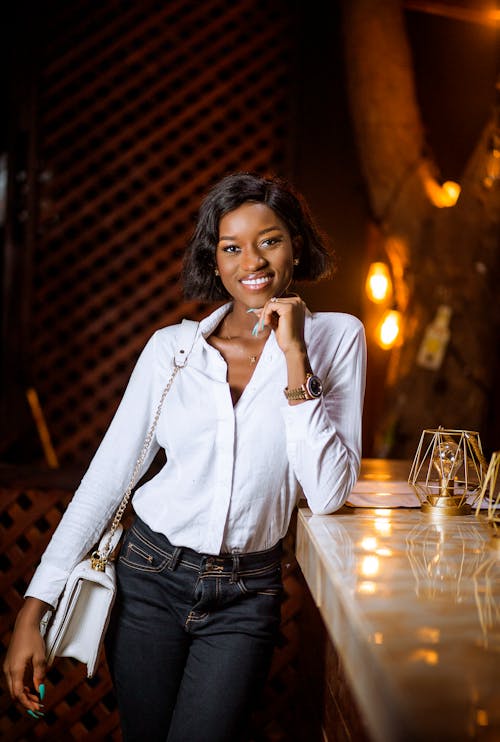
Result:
[252,359]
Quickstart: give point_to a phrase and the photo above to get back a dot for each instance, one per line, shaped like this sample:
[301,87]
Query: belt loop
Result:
[176,555]
[236,567]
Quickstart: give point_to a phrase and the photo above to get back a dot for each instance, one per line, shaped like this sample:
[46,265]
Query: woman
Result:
[267,408]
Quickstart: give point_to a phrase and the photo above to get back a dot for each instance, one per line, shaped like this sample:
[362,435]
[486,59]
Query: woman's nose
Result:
[252,260]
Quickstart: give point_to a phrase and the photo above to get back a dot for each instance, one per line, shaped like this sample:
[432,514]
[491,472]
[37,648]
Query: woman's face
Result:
[254,254]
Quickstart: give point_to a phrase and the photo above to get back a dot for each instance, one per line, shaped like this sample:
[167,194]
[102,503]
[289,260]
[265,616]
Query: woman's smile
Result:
[257,282]
[254,254]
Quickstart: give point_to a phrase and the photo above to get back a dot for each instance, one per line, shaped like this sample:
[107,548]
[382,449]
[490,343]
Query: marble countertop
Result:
[413,608]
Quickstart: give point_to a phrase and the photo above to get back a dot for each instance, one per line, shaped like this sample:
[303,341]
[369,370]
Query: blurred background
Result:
[120,115]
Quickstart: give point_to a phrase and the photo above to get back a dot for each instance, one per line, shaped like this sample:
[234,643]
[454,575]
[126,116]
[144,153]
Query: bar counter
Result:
[412,606]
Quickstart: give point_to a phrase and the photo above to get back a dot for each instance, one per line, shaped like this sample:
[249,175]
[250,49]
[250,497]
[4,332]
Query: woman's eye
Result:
[270,242]
[230,248]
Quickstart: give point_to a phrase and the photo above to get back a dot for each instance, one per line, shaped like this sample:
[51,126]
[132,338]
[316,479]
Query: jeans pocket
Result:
[262,582]
[139,554]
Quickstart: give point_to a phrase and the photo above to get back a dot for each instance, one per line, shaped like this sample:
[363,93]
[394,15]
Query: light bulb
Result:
[378,284]
[388,329]
[447,459]
[442,195]
[452,191]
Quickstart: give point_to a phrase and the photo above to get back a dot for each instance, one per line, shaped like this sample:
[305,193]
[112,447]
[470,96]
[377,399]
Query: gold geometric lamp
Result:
[489,498]
[448,471]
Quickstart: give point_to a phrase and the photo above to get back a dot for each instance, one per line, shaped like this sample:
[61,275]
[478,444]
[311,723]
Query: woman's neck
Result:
[239,322]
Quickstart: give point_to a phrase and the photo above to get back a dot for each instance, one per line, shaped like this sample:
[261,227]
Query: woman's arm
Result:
[104,483]
[89,511]
[27,652]
[324,435]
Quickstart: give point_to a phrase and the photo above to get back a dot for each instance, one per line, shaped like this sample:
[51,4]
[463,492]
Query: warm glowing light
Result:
[443,196]
[378,284]
[482,718]
[370,566]
[369,543]
[429,656]
[452,191]
[378,637]
[429,634]
[384,552]
[389,328]
[383,526]
[367,587]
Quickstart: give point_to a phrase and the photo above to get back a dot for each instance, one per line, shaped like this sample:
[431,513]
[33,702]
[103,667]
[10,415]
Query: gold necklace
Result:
[252,359]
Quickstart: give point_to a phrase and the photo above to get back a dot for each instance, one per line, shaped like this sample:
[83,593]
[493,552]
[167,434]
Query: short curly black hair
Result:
[317,259]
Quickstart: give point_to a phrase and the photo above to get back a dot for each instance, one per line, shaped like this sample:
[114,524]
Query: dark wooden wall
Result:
[126,113]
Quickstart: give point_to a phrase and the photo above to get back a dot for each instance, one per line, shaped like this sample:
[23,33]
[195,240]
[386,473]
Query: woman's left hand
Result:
[285,315]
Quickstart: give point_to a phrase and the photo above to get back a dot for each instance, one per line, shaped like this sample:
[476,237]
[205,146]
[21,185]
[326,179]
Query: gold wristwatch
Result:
[312,388]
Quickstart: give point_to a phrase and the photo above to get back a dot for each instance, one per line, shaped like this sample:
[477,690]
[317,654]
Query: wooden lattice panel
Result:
[142,106]
[77,707]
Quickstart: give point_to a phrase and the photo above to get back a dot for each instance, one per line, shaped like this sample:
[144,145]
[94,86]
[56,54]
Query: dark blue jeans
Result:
[191,638]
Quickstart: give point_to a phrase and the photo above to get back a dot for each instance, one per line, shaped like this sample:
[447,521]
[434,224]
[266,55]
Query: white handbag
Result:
[77,626]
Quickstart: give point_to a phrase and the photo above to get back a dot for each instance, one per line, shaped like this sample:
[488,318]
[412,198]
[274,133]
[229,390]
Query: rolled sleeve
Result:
[324,435]
[104,484]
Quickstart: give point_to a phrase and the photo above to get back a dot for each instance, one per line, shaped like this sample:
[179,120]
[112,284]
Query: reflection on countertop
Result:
[413,607]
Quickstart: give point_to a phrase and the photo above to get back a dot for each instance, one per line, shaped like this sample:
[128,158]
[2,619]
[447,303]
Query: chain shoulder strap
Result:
[99,559]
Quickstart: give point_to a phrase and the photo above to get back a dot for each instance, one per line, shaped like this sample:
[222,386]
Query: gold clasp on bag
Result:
[98,562]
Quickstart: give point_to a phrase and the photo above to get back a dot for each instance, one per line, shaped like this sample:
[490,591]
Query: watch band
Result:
[294,394]
[312,388]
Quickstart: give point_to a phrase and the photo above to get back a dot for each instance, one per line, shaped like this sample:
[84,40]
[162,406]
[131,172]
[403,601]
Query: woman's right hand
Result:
[26,654]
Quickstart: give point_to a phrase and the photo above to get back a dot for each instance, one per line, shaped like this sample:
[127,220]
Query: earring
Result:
[296,261]
[216,272]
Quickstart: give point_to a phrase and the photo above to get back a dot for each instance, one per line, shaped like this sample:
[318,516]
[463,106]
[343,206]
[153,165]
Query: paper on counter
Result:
[391,494]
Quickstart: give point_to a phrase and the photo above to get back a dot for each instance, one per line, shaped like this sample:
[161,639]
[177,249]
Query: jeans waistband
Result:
[234,563]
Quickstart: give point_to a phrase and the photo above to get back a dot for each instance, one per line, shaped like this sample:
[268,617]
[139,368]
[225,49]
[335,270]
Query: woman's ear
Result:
[297,249]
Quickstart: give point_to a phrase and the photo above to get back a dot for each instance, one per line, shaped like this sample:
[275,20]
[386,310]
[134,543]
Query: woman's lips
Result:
[257,283]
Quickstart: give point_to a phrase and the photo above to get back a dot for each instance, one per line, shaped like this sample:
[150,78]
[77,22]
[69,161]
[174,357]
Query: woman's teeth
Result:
[256,281]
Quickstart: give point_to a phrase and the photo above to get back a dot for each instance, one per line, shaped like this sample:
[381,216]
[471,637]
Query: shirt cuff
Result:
[47,584]
[306,421]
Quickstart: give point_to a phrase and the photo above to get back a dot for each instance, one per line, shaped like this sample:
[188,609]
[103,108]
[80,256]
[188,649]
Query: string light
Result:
[378,284]
[442,195]
[451,191]
[388,330]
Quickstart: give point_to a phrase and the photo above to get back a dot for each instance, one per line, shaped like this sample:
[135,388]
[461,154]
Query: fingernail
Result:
[250,310]
[35,715]
[256,328]
[41,691]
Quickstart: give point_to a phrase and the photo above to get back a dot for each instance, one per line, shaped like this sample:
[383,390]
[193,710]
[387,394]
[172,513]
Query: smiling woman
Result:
[255,255]
[289,210]
[267,408]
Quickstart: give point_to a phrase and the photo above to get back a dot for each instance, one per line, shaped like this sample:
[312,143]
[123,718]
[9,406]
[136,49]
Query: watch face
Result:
[314,386]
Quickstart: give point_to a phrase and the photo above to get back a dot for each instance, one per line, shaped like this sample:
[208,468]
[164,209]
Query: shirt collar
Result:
[209,323]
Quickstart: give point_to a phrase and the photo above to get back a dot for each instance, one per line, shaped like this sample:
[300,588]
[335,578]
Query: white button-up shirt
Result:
[233,474]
